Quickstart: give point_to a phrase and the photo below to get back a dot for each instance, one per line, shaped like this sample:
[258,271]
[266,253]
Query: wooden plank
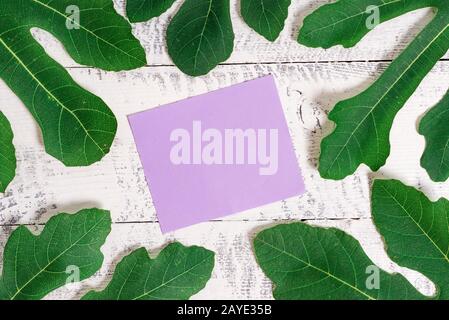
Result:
[236,274]
[44,186]
[308,90]
[384,43]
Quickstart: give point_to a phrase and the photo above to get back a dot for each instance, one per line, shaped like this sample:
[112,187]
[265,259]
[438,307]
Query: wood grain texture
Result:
[236,274]
[310,82]
[383,43]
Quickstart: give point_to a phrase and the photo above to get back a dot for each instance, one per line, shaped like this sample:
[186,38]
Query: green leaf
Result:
[200,36]
[346,22]
[77,127]
[143,10]
[363,123]
[415,229]
[177,273]
[33,266]
[434,127]
[7,154]
[306,262]
[267,17]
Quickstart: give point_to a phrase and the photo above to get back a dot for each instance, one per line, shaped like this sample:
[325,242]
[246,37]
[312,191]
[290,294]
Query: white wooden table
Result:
[310,82]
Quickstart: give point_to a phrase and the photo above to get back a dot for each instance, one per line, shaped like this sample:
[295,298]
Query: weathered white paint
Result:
[308,89]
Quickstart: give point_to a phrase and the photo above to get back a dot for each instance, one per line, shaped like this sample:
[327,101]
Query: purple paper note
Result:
[217,154]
